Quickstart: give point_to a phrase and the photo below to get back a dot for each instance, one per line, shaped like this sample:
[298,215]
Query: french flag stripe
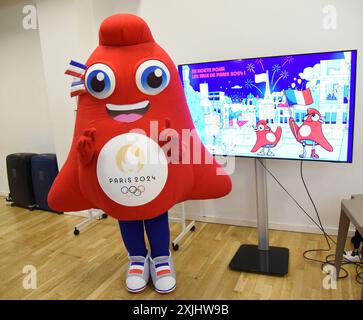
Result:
[74,73]
[137,263]
[81,89]
[161,264]
[162,272]
[163,268]
[307,97]
[299,97]
[137,267]
[77,87]
[78,92]
[74,70]
[135,271]
[76,83]
[290,97]
[78,65]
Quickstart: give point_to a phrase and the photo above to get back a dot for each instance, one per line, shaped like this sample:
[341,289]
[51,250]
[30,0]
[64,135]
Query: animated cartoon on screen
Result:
[266,138]
[310,133]
[286,92]
[131,106]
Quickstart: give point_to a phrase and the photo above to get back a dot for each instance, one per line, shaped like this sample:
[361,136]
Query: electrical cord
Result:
[292,198]
[319,224]
[327,238]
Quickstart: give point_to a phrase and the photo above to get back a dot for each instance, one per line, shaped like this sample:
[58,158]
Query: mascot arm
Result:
[86,146]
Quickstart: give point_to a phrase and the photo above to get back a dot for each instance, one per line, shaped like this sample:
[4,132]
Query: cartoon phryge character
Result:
[131,112]
[310,133]
[266,138]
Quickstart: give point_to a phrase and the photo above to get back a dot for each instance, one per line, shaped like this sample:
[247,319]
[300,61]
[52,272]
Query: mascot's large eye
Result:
[315,117]
[152,77]
[261,127]
[100,80]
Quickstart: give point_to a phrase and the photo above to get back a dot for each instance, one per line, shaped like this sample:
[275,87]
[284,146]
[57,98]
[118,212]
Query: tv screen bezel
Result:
[352,104]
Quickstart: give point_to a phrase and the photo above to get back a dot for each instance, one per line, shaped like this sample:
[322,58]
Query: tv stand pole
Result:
[261,258]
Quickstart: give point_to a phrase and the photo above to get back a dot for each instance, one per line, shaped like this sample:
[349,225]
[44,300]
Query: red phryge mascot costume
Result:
[310,133]
[266,138]
[131,105]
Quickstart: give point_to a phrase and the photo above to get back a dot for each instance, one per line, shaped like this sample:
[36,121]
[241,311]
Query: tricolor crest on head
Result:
[77,70]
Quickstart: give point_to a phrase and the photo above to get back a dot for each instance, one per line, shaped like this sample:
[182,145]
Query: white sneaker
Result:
[352,256]
[163,274]
[138,273]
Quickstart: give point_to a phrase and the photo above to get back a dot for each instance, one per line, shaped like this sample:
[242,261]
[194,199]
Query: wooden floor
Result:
[92,265]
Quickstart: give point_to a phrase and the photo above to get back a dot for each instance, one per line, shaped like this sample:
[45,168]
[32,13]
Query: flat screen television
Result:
[297,106]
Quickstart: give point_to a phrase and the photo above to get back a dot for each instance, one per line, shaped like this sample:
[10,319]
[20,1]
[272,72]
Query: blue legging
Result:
[158,233]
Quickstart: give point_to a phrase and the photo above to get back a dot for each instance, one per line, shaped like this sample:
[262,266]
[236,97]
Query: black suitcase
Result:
[20,179]
[44,171]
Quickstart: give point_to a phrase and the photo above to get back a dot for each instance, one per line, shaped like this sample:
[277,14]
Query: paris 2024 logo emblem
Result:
[132,169]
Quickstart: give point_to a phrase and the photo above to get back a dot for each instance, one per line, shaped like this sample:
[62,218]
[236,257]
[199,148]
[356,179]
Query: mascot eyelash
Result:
[77,70]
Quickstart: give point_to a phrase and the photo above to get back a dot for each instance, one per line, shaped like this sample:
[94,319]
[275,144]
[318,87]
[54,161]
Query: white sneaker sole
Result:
[165,291]
[135,290]
[350,258]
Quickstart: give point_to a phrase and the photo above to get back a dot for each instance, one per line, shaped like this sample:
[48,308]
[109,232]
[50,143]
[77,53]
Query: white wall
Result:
[69,30]
[24,113]
[193,31]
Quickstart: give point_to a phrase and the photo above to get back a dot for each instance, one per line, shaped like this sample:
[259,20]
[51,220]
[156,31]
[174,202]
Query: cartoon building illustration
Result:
[334,91]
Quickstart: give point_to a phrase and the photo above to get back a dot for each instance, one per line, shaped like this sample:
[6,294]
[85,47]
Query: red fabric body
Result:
[125,42]
[316,130]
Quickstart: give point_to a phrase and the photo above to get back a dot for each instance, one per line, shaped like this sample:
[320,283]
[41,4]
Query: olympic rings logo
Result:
[136,191]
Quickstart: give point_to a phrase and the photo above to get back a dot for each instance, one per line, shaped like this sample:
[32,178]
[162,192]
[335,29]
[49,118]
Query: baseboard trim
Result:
[83,213]
[272,225]
[4,193]
[234,222]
